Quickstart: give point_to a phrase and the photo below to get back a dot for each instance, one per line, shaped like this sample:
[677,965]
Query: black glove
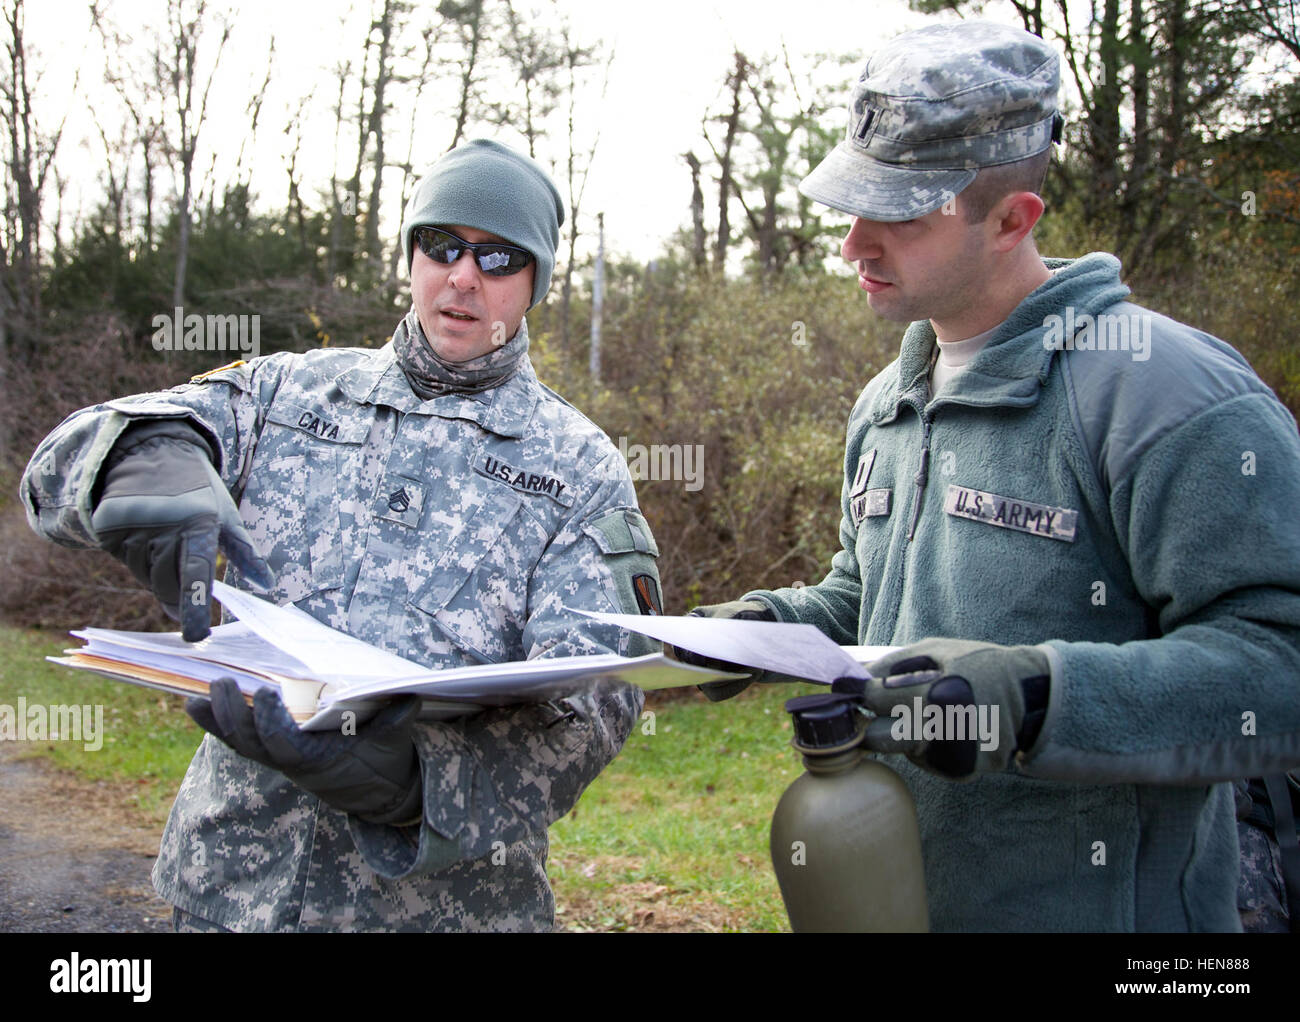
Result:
[742,610]
[162,512]
[995,696]
[373,774]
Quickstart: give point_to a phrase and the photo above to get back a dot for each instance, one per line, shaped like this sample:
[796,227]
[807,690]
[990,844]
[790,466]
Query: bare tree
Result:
[577,164]
[295,217]
[429,38]
[115,172]
[1276,21]
[762,158]
[774,135]
[253,111]
[354,185]
[726,185]
[533,54]
[699,256]
[386,27]
[470,23]
[28,159]
[175,62]
[144,105]
[338,207]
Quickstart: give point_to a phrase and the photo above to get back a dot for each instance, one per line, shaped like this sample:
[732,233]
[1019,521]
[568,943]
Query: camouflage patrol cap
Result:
[930,108]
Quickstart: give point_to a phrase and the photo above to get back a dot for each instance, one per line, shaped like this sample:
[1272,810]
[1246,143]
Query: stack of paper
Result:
[322,673]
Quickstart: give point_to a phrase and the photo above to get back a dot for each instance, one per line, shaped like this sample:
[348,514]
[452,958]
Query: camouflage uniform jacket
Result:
[449,531]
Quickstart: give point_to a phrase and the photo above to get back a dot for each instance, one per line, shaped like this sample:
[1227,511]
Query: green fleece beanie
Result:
[484,185]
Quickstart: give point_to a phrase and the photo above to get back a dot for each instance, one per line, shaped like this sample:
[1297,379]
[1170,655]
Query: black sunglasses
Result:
[493,258]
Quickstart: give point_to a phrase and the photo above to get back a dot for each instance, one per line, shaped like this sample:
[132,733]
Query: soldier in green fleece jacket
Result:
[1078,516]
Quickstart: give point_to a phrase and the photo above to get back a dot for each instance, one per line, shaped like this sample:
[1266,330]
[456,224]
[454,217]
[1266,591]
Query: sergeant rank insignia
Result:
[401,500]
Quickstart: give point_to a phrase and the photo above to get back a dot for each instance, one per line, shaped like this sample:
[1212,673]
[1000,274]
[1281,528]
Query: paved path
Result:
[71,860]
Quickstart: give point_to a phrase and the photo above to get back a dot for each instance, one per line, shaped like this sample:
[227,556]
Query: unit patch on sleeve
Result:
[1009,513]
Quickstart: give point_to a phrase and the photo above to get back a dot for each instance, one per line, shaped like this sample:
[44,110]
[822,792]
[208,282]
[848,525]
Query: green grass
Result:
[147,738]
[686,808]
[673,835]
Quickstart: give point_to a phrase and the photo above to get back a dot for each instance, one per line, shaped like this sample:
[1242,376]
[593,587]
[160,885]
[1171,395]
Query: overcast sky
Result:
[670,61]
[671,58]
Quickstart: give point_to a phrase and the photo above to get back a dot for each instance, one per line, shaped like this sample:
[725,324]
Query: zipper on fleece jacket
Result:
[923,473]
[920,479]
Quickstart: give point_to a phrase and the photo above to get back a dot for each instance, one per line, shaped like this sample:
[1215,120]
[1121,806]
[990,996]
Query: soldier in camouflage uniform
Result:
[430,497]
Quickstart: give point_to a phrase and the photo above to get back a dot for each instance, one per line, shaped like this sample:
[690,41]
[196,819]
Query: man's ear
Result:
[1013,217]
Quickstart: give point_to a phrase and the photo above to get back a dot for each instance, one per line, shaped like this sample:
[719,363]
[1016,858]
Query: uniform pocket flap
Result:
[476,593]
[482,528]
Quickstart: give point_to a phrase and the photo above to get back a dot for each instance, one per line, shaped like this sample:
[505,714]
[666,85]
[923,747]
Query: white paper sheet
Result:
[869,654]
[331,656]
[796,649]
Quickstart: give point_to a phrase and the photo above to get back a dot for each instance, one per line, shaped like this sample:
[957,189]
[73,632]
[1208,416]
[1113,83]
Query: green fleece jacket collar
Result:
[1006,371]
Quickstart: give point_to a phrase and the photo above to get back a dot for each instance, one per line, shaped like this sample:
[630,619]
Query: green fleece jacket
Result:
[1123,490]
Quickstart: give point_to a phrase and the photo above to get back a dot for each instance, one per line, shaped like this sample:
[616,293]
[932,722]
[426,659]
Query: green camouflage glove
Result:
[988,703]
[373,774]
[163,510]
[744,610]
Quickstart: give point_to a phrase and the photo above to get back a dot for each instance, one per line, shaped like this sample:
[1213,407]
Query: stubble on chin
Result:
[893,307]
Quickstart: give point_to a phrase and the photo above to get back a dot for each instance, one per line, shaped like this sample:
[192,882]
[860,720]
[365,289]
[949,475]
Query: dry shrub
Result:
[41,584]
[49,586]
[1246,292]
[762,377]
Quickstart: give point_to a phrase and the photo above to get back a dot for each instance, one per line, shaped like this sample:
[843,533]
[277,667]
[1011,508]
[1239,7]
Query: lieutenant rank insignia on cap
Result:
[1009,513]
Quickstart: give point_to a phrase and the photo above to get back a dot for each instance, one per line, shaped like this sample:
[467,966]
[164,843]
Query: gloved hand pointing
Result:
[163,511]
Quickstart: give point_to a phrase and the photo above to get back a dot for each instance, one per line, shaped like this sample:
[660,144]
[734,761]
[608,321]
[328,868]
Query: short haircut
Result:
[992,183]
